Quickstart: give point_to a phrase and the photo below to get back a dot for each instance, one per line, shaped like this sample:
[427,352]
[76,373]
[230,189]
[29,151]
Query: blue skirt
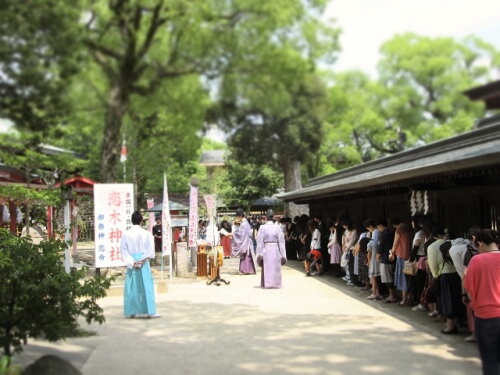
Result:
[139,294]
[399,276]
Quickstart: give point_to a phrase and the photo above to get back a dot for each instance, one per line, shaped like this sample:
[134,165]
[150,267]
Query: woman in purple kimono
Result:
[271,253]
[242,244]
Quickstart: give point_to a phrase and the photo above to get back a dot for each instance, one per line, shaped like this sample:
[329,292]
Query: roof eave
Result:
[478,148]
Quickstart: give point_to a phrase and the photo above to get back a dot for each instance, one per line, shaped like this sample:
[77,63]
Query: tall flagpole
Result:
[166,228]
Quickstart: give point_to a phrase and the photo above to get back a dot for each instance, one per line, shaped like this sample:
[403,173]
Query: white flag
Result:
[151,219]
[123,152]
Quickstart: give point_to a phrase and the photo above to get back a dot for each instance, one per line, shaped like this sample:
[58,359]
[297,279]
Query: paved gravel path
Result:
[313,325]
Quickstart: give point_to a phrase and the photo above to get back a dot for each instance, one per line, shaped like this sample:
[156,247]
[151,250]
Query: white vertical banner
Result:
[210,202]
[166,222]
[212,235]
[113,207]
[193,216]
[151,218]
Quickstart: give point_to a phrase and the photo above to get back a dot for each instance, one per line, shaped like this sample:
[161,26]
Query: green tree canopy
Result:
[417,99]
[138,45]
[39,53]
[244,183]
[426,78]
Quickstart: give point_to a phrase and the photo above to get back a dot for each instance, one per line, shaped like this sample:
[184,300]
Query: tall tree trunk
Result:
[118,100]
[140,183]
[293,181]
[143,133]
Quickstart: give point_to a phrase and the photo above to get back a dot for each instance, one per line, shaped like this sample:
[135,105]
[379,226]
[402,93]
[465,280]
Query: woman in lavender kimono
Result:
[242,244]
[271,252]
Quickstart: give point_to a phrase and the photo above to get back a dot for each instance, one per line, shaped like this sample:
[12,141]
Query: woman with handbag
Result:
[401,250]
[373,262]
[418,253]
[349,240]
[482,283]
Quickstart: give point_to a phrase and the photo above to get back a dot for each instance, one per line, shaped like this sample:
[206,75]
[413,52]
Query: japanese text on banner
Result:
[113,207]
[193,216]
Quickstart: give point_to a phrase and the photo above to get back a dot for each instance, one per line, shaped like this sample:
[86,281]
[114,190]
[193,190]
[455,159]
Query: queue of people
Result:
[419,265]
[403,262]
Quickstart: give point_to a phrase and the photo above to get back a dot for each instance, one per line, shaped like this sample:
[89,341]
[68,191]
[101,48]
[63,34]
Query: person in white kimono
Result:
[136,246]
[271,253]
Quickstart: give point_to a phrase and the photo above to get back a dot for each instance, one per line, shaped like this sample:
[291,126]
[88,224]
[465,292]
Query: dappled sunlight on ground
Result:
[311,326]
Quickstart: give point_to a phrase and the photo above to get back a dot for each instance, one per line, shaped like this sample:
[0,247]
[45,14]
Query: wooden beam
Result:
[33,186]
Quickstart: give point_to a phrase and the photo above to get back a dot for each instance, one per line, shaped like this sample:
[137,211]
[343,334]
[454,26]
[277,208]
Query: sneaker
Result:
[371,297]
[308,274]
[154,316]
[314,273]
[387,300]
[346,278]
[433,314]
[471,338]
[420,307]
[350,284]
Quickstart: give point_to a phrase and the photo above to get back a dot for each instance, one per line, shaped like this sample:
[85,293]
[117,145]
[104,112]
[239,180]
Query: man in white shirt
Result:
[136,247]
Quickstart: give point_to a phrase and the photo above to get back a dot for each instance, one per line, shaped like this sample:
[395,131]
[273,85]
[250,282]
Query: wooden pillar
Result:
[13,217]
[74,226]
[50,228]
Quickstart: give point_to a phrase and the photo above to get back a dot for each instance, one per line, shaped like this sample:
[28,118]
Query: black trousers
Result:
[325,259]
[488,339]
[354,278]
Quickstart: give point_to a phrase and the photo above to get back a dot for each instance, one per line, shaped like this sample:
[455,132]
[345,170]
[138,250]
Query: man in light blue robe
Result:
[242,245]
[136,246]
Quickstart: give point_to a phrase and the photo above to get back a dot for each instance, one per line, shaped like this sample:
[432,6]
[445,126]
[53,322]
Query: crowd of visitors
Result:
[395,262]
[418,265]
